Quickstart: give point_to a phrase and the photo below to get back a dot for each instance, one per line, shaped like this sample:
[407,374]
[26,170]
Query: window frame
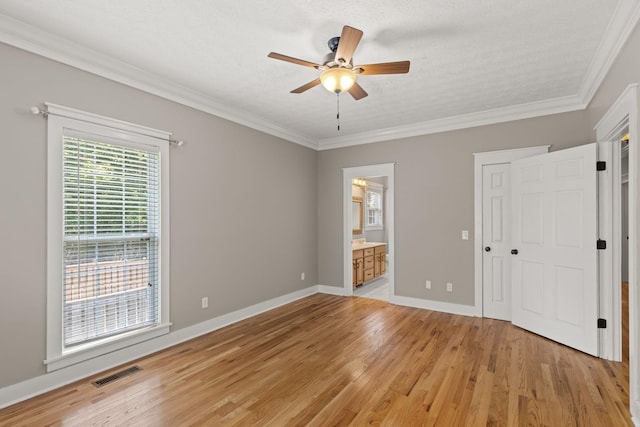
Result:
[379,189]
[126,134]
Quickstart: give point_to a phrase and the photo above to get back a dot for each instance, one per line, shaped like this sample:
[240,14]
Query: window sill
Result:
[374,228]
[98,348]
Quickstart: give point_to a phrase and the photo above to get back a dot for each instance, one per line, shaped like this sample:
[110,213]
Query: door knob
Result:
[487,249]
[514,252]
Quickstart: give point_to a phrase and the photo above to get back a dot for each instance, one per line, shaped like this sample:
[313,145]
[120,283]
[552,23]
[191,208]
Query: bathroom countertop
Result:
[365,245]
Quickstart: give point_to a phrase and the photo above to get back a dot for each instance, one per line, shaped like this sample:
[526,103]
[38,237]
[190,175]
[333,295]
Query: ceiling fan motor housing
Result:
[333,43]
[329,61]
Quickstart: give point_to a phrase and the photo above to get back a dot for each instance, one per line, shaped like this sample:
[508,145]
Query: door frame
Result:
[348,174]
[480,160]
[625,109]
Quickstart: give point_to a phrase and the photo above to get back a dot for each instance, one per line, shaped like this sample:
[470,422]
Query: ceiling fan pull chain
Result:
[338,106]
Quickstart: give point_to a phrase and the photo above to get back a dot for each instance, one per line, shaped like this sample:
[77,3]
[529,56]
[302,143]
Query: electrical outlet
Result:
[427,284]
[205,302]
[302,276]
[449,287]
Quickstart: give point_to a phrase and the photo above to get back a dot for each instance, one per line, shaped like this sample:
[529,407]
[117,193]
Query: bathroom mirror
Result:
[356,214]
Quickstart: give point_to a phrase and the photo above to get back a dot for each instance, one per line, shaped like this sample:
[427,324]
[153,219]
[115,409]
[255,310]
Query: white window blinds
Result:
[111,239]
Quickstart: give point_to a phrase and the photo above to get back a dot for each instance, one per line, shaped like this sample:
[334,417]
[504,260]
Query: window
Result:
[374,205]
[107,276]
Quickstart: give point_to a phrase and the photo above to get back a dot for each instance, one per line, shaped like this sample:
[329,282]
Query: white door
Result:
[554,272]
[496,234]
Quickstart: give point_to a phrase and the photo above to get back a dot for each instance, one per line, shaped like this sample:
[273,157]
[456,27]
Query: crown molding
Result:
[622,23]
[35,40]
[487,117]
[32,39]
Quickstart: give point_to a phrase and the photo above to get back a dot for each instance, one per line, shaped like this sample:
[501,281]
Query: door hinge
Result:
[602,323]
[601,244]
[601,166]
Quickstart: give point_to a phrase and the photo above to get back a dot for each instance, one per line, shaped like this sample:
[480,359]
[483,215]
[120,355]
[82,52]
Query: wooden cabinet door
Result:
[360,271]
[358,267]
[378,266]
[380,260]
[354,274]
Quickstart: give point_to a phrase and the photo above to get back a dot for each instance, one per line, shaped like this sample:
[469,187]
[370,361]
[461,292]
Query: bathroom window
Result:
[374,204]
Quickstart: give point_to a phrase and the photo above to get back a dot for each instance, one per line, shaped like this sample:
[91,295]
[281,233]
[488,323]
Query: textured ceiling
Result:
[469,58]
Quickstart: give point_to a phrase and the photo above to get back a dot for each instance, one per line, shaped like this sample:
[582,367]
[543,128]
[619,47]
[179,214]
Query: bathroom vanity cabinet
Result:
[369,261]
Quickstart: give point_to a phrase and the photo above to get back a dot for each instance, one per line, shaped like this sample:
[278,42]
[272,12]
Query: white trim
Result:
[616,114]
[52,380]
[38,41]
[608,131]
[610,338]
[60,119]
[480,160]
[385,169]
[626,108]
[481,118]
[331,290]
[621,25]
[445,307]
[78,356]
[41,384]
[114,124]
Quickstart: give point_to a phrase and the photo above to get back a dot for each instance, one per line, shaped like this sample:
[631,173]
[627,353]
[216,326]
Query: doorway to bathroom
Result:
[377,239]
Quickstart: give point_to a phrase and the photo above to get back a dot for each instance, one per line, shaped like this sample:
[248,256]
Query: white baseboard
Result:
[34,386]
[331,290]
[635,411]
[447,307]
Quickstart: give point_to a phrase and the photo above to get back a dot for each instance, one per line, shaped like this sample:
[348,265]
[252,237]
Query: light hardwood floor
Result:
[328,360]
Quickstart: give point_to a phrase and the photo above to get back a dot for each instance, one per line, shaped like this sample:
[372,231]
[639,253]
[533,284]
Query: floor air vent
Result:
[117,375]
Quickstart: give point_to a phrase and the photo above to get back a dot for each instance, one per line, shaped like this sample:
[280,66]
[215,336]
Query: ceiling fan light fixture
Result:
[338,79]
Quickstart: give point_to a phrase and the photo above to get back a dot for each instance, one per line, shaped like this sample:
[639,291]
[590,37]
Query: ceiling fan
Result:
[338,72]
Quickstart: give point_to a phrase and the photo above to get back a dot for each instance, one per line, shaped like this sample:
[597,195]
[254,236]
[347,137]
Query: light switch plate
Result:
[465,234]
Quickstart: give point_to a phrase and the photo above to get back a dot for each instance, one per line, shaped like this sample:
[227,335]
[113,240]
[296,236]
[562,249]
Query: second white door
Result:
[496,226]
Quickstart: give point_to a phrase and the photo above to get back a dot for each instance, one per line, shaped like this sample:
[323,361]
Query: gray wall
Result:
[221,246]
[433,199]
[243,204]
[434,188]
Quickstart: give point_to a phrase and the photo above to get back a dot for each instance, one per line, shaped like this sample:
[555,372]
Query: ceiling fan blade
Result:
[348,42]
[399,67]
[307,86]
[292,59]
[357,92]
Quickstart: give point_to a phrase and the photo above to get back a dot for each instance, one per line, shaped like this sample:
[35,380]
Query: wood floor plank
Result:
[329,360]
